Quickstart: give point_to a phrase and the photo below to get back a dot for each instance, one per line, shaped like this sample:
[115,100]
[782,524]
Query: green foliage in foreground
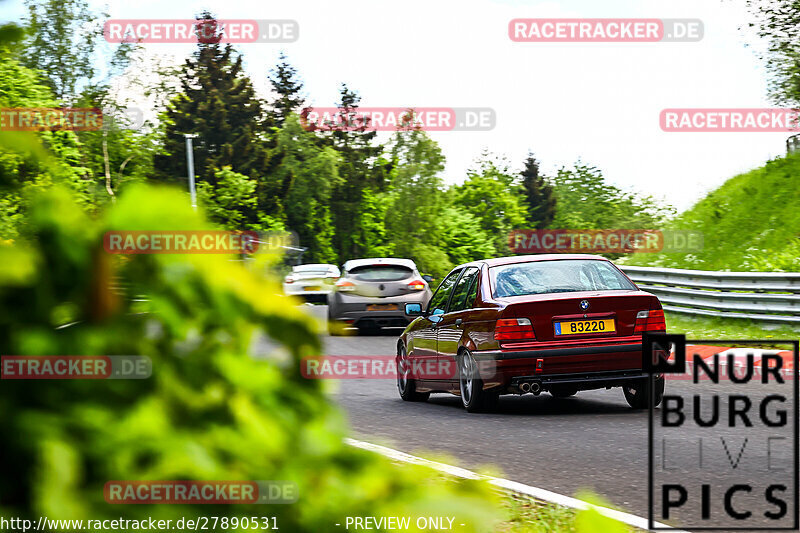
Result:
[751,222]
[209,410]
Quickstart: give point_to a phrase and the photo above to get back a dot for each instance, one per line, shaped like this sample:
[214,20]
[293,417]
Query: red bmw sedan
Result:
[528,324]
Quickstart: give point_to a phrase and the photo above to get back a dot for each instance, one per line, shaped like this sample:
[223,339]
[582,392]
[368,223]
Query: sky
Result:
[597,102]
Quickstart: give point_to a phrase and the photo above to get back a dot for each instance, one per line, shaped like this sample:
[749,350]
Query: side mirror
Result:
[414,309]
[428,278]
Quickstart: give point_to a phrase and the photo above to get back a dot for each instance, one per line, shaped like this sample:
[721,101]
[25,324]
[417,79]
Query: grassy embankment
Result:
[750,223]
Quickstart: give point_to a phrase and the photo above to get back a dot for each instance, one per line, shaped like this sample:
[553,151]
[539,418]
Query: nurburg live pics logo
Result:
[723,453]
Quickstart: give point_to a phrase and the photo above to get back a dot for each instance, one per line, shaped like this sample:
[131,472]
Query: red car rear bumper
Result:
[585,365]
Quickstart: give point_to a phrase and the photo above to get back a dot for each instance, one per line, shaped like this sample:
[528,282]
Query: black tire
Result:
[473,397]
[637,392]
[406,386]
[563,392]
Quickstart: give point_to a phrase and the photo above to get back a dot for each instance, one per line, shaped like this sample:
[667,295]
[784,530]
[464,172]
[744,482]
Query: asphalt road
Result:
[590,441]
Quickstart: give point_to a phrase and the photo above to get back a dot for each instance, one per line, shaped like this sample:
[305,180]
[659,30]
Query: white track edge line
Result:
[508,485]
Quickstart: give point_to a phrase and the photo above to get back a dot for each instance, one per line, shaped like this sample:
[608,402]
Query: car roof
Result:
[514,259]
[353,263]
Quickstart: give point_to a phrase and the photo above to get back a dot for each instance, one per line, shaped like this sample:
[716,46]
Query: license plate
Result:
[382,307]
[313,288]
[578,327]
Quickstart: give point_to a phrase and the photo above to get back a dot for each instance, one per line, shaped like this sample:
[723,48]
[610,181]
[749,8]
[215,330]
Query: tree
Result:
[417,202]
[375,240]
[65,44]
[493,195]
[24,165]
[587,201]
[362,173]
[538,195]
[217,103]
[307,175]
[463,238]
[287,85]
[232,201]
[62,40]
[778,21]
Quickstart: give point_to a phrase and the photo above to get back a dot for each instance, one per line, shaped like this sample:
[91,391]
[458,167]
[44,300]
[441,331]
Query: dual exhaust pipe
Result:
[531,386]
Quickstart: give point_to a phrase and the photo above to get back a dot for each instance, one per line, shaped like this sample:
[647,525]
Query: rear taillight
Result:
[652,320]
[513,329]
[345,286]
[289,279]
[416,285]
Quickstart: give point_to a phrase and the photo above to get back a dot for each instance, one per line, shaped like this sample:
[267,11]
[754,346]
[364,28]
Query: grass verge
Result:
[729,328]
[525,516]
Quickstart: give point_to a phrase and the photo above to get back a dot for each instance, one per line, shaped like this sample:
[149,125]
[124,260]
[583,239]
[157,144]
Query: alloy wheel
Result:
[466,377]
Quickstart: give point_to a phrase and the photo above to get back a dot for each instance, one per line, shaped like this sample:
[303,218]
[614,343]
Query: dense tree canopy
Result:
[344,192]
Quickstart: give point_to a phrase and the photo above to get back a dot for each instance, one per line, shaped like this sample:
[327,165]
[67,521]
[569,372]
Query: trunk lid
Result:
[545,311]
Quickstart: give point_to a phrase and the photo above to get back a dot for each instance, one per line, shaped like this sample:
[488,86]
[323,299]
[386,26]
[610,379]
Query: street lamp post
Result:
[190,164]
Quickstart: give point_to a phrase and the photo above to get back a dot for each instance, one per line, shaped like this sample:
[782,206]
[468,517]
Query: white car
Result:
[311,282]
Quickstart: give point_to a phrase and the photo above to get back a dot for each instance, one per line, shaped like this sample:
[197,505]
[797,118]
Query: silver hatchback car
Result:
[372,294]
[313,283]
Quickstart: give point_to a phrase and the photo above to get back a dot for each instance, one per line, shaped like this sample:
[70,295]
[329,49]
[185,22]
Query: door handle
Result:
[458,321]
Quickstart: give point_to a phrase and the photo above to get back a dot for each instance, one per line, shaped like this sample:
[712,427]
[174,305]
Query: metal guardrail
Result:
[763,296]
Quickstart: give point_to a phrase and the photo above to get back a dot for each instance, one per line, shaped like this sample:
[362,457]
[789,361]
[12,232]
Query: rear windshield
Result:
[568,275]
[380,273]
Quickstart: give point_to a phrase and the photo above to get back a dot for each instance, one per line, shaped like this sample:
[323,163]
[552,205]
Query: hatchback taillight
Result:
[652,320]
[288,279]
[345,286]
[514,329]
[416,285]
